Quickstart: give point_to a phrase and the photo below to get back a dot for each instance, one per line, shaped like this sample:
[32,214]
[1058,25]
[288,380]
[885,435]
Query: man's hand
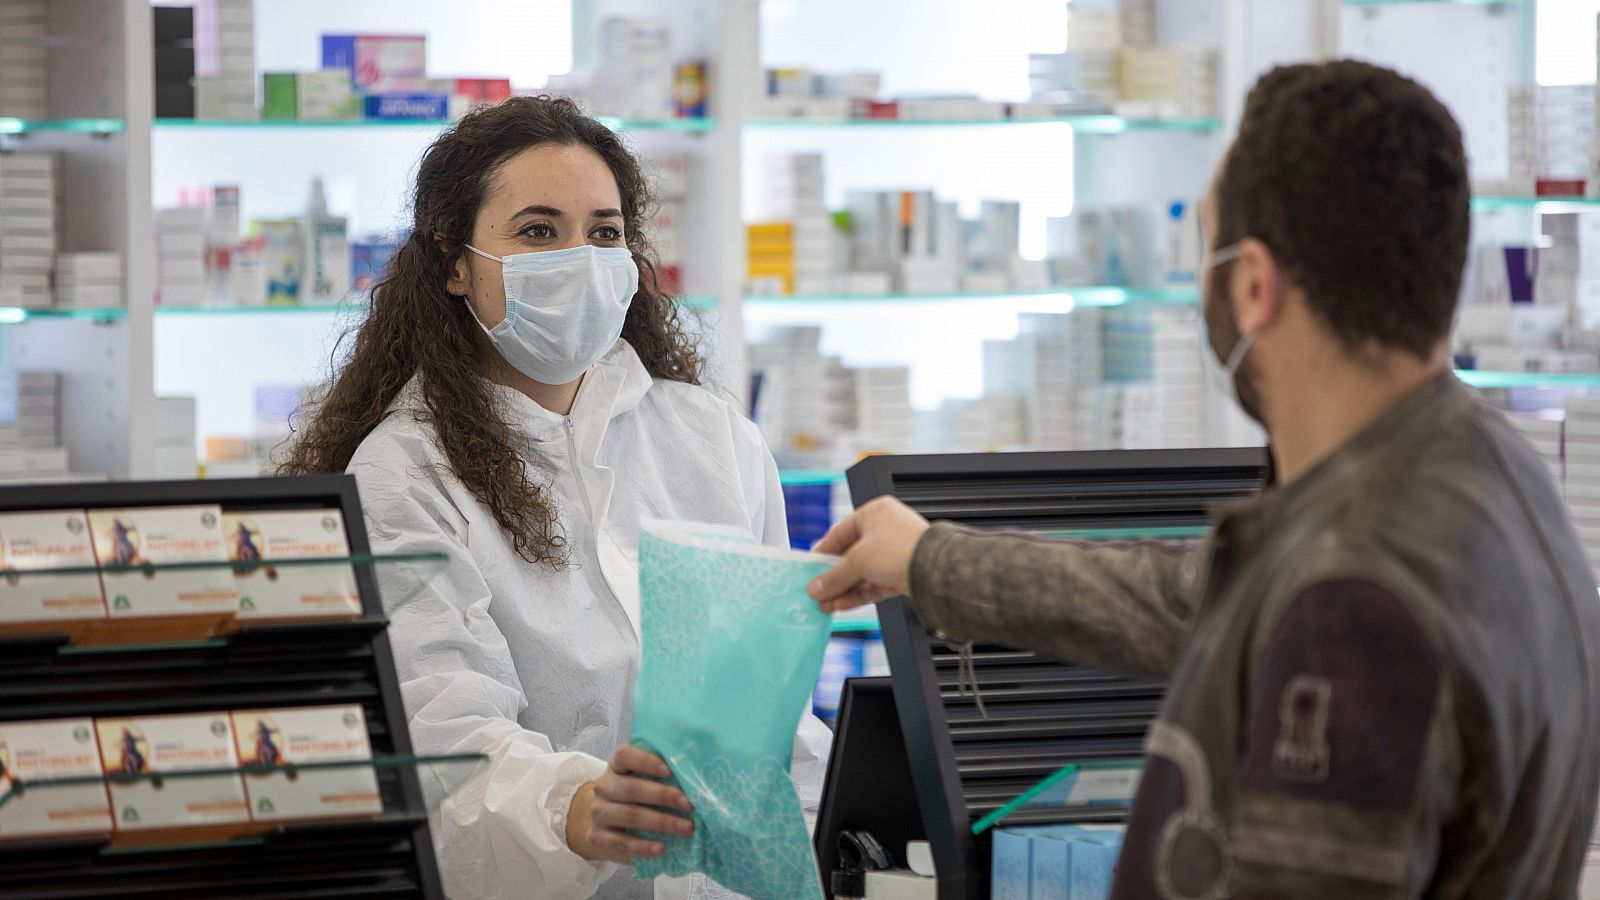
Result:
[877,542]
[606,812]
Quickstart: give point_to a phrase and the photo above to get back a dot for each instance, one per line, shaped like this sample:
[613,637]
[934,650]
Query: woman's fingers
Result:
[622,789]
[631,817]
[620,847]
[629,759]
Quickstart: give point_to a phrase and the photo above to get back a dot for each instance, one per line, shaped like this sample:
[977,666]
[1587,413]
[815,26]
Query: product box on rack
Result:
[44,751]
[165,744]
[154,536]
[406,106]
[48,540]
[285,738]
[293,591]
[378,63]
[469,93]
[326,96]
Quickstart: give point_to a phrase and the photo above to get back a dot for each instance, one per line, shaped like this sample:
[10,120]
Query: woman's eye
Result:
[608,233]
[540,231]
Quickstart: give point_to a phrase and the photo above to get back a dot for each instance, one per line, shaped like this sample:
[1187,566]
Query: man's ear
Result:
[1259,287]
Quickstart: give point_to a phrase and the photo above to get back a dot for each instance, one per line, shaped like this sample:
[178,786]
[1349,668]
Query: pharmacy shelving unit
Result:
[195,664]
[102,119]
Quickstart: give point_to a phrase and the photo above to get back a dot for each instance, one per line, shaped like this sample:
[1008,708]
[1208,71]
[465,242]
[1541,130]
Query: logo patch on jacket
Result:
[1301,751]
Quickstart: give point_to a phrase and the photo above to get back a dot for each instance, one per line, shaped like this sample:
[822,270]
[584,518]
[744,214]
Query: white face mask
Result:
[1223,374]
[564,309]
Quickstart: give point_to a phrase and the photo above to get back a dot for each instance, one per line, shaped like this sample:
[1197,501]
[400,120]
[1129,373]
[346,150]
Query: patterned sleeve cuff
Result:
[928,598]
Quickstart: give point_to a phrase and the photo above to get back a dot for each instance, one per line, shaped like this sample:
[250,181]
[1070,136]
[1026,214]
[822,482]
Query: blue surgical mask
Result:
[564,309]
[1223,374]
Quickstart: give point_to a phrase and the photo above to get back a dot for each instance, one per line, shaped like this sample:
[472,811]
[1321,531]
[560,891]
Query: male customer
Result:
[1383,672]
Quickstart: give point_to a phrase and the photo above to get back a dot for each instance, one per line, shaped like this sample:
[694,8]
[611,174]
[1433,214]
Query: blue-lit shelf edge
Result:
[10,125]
[1490,203]
[11,315]
[1430,2]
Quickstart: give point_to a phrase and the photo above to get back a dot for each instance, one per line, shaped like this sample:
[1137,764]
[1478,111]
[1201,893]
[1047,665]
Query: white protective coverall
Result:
[534,666]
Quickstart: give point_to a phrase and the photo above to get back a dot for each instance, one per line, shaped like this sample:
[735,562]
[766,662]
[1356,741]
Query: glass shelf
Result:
[359,306]
[82,126]
[615,124]
[354,560]
[1416,2]
[12,315]
[1486,380]
[1087,124]
[1096,296]
[1495,204]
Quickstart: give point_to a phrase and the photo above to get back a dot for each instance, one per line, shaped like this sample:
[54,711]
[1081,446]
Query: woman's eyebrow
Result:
[536,210]
[608,213]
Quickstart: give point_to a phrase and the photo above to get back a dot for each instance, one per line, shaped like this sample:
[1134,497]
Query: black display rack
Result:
[1042,713]
[248,666]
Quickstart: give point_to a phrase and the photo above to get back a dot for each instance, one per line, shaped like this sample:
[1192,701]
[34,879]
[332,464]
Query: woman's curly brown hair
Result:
[415,328]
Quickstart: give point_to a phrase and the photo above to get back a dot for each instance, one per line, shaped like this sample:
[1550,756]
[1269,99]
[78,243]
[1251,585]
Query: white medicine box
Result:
[287,738]
[47,540]
[291,591]
[47,751]
[164,744]
[160,535]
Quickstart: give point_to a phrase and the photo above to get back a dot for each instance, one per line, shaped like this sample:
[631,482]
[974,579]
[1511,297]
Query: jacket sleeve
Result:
[1351,759]
[1126,606]
[501,831]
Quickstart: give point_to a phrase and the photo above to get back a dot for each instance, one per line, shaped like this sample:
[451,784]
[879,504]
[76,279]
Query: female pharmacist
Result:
[519,396]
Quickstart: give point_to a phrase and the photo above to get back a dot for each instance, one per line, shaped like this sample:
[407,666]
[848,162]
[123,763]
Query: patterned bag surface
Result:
[732,648]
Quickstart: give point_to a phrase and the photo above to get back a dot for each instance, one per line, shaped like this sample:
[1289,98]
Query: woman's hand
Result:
[605,812]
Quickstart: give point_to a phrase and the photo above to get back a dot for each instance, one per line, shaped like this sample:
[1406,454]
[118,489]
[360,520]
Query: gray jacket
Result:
[1384,677]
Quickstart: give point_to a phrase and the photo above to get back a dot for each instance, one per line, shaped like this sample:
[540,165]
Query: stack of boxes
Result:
[1055,861]
[803,400]
[30,426]
[801,254]
[29,227]
[1112,62]
[89,280]
[1550,134]
[1158,82]
[181,256]
[1053,362]
[1582,464]
[225,59]
[634,80]
[24,77]
[884,420]
[1156,358]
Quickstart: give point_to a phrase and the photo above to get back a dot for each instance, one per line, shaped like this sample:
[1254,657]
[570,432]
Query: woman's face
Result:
[548,197]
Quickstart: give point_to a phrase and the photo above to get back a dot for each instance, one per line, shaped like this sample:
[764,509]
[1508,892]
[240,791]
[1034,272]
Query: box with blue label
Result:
[1094,861]
[407,106]
[1011,867]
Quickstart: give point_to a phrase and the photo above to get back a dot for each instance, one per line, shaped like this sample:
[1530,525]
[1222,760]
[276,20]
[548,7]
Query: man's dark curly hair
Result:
[1355,177]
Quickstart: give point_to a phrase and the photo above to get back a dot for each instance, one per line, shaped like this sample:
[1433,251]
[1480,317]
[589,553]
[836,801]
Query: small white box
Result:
[152,744]
[90,265]
[163,534]
[270,591]
[52,750]
[48,540]
[90,296]
[291,737]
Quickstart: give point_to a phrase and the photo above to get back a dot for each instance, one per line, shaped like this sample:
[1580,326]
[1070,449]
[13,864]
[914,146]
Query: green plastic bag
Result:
[732,650]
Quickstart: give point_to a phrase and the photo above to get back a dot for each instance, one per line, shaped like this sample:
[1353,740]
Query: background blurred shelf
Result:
[1097,296]
[690,126]
[1486,380]
[1553,204]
